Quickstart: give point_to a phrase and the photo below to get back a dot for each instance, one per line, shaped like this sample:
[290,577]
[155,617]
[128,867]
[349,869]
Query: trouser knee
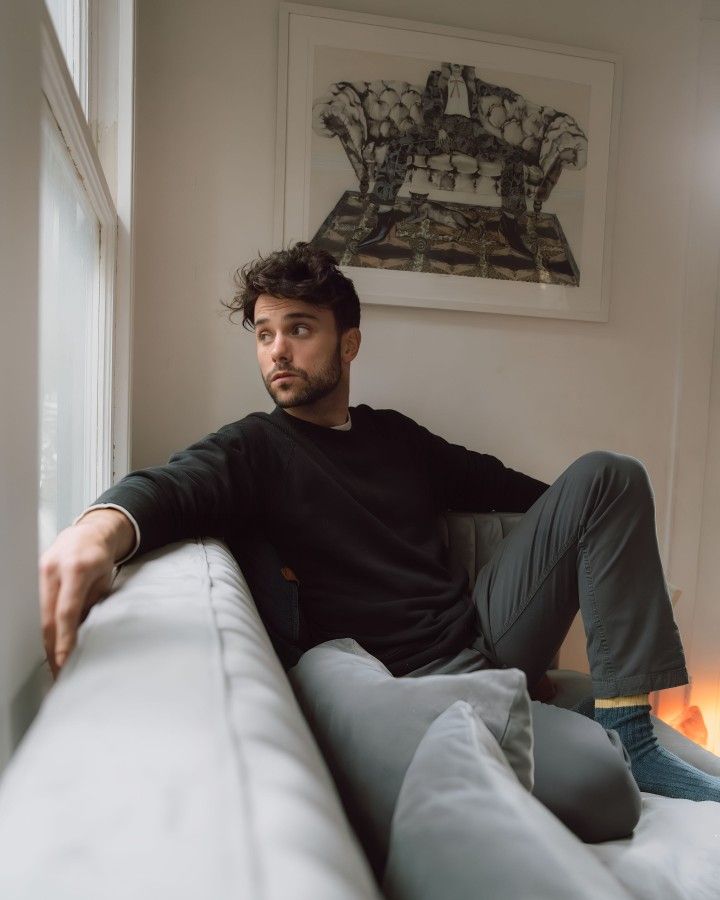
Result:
[616,470]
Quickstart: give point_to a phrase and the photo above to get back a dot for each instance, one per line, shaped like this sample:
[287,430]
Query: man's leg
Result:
[589,543]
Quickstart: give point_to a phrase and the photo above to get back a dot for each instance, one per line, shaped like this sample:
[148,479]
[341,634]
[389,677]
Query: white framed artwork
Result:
[447,168]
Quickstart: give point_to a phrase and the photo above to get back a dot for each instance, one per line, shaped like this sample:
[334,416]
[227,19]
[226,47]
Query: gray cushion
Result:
[465,827]
[369,724]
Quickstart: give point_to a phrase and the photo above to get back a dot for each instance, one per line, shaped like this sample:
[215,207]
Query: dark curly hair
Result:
[301,272]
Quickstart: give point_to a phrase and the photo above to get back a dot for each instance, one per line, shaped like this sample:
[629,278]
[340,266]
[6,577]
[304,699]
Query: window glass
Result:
[70,18]
[69,286]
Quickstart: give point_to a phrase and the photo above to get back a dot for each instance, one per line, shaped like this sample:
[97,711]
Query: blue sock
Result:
[655,768]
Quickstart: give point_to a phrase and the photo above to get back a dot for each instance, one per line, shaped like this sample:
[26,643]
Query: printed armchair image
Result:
[456,133]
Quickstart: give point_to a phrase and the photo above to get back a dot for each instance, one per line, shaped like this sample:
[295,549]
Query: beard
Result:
[306,389]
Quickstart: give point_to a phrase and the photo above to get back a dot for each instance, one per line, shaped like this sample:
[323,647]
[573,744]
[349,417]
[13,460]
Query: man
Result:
[455,122]
[350,498]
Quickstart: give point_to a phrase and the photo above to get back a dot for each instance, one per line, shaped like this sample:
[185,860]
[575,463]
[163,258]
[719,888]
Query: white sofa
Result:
[171,760]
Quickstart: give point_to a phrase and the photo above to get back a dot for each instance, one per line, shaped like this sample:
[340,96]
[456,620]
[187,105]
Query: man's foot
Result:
[510,230]
[383,224]
[655,768]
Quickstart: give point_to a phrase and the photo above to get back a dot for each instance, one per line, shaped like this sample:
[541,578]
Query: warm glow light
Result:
[692,724]
[706,695]
[698,718]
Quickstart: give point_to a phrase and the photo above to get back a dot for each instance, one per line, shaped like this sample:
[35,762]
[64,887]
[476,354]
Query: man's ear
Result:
[350,344]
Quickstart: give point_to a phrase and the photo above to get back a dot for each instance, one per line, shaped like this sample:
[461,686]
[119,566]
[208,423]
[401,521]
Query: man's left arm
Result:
[466,480]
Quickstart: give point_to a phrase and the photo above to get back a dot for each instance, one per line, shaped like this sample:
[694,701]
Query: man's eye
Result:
[301,329]
[263,336]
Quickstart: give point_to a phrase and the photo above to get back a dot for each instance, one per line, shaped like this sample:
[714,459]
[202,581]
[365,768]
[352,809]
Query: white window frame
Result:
[108,410]
[74,24]
[124,285]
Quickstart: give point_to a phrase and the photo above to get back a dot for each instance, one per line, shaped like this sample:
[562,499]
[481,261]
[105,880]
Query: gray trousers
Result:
[588,544]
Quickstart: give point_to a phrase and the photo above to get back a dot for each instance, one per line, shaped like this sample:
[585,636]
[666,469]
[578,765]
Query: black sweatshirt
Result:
[353,513]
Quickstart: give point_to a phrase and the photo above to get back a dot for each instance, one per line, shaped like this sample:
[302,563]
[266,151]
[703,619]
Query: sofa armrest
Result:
[170,758]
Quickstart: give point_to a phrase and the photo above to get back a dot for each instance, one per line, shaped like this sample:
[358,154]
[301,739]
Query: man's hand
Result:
[76,572]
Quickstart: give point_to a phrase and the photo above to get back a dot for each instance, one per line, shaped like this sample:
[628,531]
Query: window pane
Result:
[69,276]
[70,18]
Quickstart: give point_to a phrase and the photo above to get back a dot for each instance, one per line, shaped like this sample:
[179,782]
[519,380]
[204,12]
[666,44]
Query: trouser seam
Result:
[541,580]
[604,646]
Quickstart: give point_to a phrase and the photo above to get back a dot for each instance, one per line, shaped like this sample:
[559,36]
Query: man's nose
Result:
[280,348]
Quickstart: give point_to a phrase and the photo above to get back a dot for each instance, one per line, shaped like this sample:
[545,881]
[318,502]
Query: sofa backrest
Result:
[471,539]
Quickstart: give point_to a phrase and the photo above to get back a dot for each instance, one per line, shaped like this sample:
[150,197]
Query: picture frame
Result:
[494,155]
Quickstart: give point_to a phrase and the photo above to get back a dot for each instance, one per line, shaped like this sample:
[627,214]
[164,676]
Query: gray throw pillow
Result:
[368,725]
[465,827]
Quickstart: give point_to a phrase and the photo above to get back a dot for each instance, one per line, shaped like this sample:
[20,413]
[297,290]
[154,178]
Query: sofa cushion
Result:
[674,852]
[170,759]
[369,724]
[464,826]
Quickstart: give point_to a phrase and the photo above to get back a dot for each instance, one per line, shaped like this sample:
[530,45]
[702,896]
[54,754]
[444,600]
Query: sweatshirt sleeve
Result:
[131,519]
[463,479]
[203,490]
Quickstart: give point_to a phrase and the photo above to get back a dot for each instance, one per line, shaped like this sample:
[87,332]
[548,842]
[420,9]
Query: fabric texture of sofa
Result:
[171,759]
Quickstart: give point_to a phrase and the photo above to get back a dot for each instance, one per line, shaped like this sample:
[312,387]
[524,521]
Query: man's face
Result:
[298,349]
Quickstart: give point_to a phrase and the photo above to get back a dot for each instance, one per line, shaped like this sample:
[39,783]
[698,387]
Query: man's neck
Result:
[330,417]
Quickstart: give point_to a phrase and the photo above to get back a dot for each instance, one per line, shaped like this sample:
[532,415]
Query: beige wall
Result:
[702,629]
[535,392]
[20,635]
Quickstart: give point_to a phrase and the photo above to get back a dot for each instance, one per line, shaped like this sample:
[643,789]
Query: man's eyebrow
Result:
[294,315]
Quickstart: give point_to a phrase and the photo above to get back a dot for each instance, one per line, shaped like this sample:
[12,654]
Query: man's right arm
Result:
[198,492]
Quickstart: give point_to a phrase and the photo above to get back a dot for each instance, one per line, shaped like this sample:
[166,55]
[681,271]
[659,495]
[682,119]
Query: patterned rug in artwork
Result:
[448,238]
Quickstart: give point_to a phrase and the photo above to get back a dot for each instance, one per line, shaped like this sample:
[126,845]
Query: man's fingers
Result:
[75,600]
[75,572]
[54,668]
[98,590]
[70,603]
[49,586]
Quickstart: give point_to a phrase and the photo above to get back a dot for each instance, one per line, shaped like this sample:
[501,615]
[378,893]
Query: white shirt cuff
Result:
[132,522]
